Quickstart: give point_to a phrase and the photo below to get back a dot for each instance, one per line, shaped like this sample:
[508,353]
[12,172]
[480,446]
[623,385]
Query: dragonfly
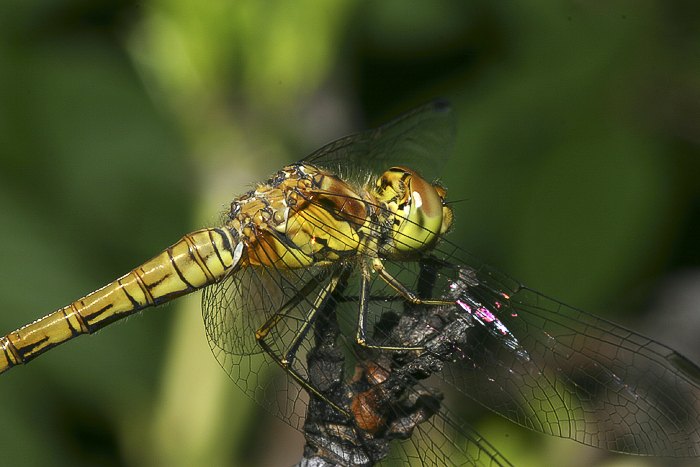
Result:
[347,252]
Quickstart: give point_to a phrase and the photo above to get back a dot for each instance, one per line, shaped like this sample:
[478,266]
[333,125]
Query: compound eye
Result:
[417,205]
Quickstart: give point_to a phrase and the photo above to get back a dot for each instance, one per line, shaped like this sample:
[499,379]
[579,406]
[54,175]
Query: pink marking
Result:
[486,315]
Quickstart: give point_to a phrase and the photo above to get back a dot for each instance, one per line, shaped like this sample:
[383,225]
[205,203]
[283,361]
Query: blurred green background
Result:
[125,124]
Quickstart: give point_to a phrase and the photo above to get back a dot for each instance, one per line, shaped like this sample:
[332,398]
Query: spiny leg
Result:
[406,294]
[409,296]
[286,362]
[317,306]
[298,297]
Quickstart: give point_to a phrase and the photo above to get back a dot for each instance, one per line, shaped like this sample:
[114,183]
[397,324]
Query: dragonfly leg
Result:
[406,294]
[409,296]
[301,295]
[318,305]
[286,362]
[301,379]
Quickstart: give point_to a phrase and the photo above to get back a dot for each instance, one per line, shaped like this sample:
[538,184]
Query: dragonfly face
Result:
[420,214]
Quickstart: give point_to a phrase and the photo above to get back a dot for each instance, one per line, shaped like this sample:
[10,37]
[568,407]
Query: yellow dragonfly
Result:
[355,233]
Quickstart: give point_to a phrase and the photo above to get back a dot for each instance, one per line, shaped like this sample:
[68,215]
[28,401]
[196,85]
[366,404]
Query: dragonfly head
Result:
[421,214]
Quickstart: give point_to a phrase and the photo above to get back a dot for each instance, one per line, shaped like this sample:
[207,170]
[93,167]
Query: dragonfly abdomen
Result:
[196,260]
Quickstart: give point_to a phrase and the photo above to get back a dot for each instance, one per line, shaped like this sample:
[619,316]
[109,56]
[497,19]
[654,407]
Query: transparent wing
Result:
[238,307]
[447,428]
[565,372]
[421,139]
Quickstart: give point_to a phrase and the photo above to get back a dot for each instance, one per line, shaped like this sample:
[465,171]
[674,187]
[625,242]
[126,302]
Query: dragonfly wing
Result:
[421,139]
[234,309]
[568,373]
[447,438]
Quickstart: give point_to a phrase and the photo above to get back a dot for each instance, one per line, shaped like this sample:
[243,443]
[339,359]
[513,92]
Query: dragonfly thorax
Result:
[300,217]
